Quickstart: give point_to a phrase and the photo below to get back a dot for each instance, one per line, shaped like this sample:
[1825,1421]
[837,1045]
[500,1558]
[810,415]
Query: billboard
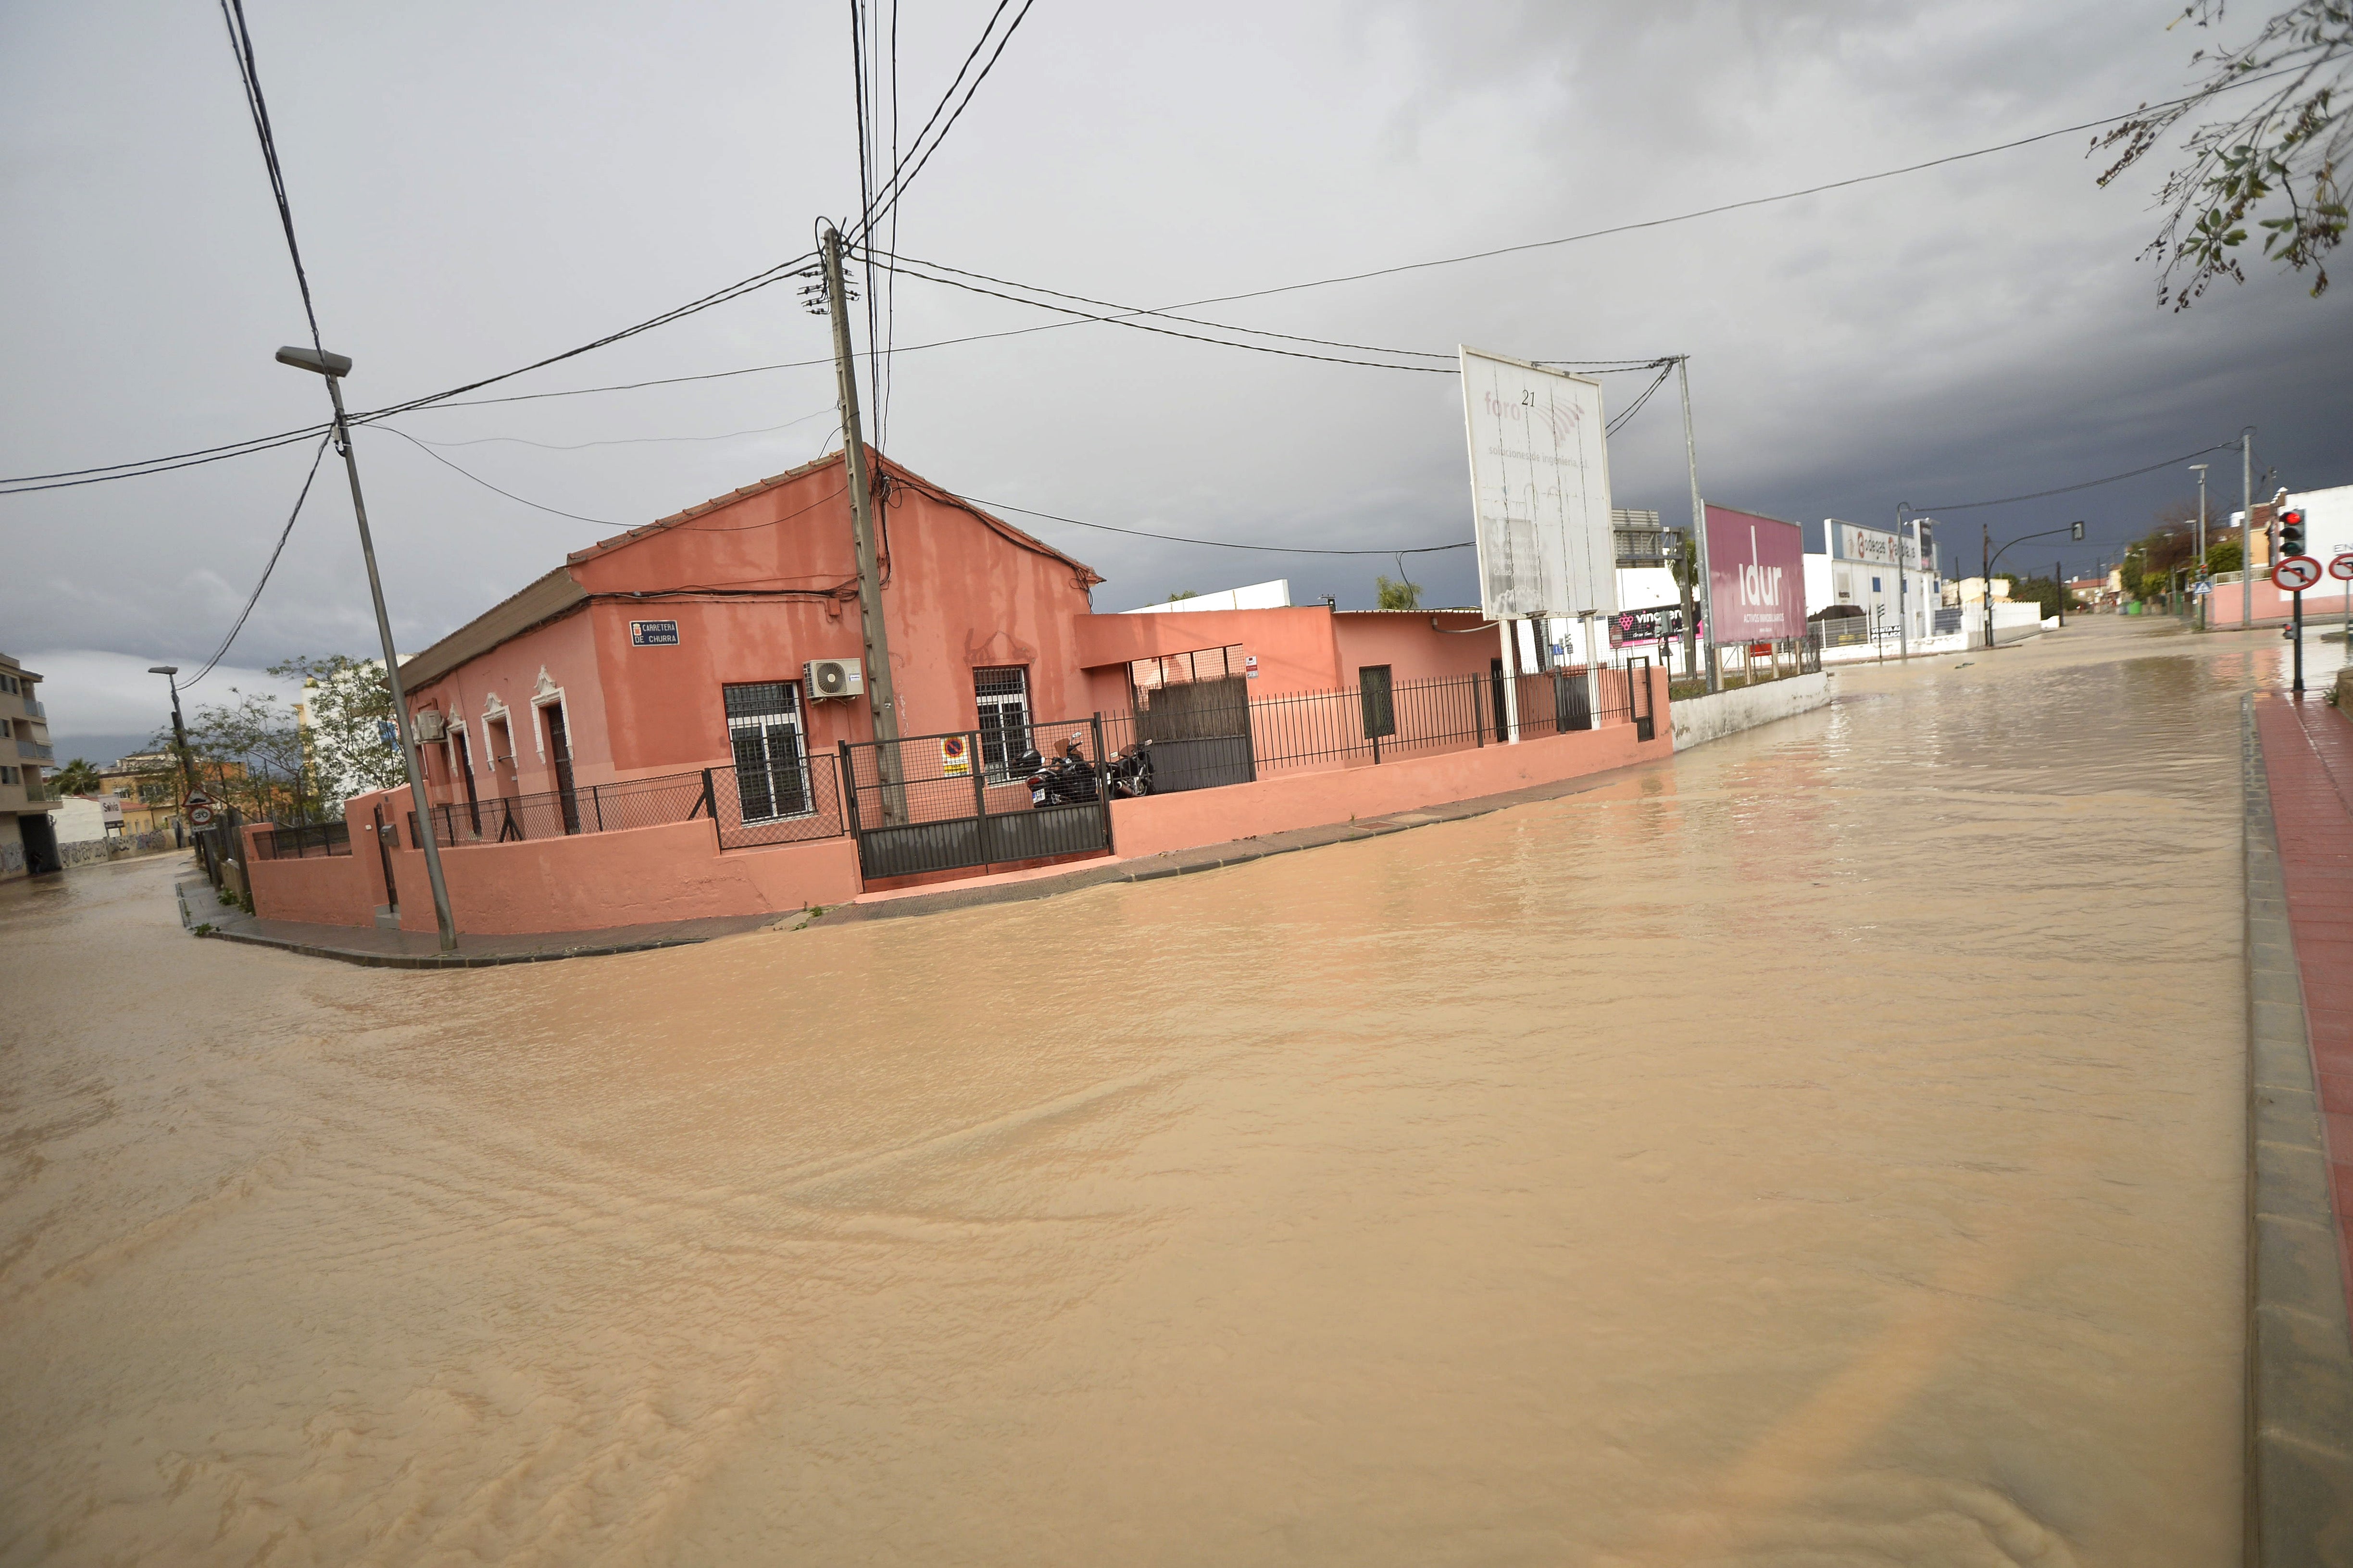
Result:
[1872,546]
[1539,489]
[1755,576]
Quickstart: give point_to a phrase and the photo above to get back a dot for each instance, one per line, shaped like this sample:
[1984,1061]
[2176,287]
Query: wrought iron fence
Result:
[303,840]
[929,803]
[770,805]
[559,813]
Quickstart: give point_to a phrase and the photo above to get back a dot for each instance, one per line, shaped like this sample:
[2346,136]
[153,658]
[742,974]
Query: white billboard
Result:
[1539,489]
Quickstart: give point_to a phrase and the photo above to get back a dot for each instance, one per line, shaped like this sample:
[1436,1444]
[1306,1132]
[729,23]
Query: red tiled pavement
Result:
[2308,757]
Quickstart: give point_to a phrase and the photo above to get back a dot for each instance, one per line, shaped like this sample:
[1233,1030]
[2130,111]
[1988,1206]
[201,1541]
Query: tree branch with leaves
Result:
[2277,162]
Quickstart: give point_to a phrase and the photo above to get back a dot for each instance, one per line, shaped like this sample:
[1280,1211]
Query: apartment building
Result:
[28,837]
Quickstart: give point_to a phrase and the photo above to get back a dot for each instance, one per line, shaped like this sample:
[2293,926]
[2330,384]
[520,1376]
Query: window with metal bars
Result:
[1178,668]
[764,730]
[1002,694]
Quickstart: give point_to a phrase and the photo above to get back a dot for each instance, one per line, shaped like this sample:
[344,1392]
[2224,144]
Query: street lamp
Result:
[332,368]
[2200,469]
[179,726]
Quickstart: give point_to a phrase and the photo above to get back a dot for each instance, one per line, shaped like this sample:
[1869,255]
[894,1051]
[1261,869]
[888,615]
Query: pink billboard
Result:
[1755,576]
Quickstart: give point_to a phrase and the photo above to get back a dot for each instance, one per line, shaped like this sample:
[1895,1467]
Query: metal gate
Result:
[931,803]
[1639,697]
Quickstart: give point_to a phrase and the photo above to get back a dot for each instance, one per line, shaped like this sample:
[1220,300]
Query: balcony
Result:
[35,750]
[34,710]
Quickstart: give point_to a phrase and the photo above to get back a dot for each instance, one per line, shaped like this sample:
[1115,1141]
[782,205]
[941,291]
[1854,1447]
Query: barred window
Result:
[764,730]
[1002,695]
[1376,696]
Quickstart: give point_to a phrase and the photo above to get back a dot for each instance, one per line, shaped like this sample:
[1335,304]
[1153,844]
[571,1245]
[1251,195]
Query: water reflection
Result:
[1823,1150]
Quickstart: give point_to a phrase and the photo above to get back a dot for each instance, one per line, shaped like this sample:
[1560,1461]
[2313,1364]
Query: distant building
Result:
[28,839]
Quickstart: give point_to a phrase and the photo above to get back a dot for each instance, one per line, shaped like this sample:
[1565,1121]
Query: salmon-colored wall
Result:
[1412,647]
[2324,604]
[958,595]
[319,890]
[1300,798]
[644,876]
[1293,646]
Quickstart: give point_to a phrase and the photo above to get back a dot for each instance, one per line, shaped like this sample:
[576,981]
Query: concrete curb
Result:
[2299,1379]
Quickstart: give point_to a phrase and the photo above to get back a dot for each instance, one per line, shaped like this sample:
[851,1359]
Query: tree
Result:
[79,776]
[346,701]
[1184,593]
[250,753]
[2224,555]
[2276,159]
[2045,592]
[1398,595]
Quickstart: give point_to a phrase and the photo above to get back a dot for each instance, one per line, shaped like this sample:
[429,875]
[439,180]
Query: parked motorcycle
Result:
[1065,780]
[1130,773]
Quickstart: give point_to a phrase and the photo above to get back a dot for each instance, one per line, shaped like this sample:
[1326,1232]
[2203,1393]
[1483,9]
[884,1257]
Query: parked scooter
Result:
[1067,780]
[1130,773]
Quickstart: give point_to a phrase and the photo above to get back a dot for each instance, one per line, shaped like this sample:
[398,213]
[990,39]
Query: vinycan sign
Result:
[1539,489]
[1756,575]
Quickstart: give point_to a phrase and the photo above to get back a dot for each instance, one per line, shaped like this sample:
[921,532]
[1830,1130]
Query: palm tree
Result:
[79,776]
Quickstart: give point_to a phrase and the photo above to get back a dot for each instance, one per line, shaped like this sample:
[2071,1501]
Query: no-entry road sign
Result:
[2342,568]
[2296,573]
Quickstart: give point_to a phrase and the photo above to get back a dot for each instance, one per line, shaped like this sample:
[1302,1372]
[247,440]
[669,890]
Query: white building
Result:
[1861,568]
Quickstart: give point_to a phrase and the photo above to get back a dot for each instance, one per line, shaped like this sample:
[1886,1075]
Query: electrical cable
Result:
[2230,445]
[1666,369]
[621,440]
[240,42]
[1217,544]
[898,182]
[553,511]
[270,565]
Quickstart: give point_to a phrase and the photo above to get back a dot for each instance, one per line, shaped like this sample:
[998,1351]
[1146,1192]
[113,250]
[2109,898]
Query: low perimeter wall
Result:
[592,881]
[1158,824]
[1698,719]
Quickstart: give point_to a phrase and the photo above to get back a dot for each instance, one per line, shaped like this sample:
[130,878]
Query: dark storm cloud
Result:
[479,187]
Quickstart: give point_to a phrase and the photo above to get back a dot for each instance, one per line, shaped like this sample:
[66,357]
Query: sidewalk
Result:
[416,950]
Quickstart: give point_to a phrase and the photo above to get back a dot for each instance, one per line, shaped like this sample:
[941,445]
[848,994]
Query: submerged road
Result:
[1824,1149]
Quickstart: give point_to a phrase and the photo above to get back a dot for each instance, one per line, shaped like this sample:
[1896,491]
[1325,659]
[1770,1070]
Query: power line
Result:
[619,440]
[2231,445]
[918,153]
[241,41]
[1216,543]
[553,511]
[271,566]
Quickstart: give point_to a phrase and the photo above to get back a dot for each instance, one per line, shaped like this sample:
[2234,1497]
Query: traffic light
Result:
[2291,533]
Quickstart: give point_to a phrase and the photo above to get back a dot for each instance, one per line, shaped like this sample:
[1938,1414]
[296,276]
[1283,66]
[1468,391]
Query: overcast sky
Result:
[478,186]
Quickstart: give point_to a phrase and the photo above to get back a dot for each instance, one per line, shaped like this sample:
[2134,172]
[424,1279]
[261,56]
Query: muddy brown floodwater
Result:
[1823,1150]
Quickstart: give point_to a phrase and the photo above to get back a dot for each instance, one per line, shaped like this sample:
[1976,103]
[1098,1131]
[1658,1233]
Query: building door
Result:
[39,830]
[1002,695]
[764,730]
[1503,714]
[463,756]
[559,750]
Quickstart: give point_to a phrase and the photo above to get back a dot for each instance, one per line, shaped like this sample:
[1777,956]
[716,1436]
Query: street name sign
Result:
[2296,573]
[653,634]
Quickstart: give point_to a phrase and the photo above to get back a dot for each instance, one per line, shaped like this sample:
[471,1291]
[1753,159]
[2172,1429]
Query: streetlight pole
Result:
[1699,529]
[2200,469]
[2246,522]
[179,725]
[332,368]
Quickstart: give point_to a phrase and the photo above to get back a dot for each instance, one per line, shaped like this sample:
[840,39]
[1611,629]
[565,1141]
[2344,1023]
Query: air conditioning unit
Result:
[834,678]
[431,725]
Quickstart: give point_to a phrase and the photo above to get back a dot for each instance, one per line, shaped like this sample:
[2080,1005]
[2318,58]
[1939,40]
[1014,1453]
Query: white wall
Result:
[1698,719]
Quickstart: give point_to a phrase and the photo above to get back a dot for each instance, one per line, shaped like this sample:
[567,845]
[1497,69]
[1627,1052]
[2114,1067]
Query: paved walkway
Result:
[2308,754]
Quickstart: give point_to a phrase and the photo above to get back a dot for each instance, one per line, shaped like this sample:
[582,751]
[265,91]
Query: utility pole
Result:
[2060,577]
[1985,583]
[331,369]
[2200,468]
[881,694]
[2246,522]
[1903,592]
[1699,529]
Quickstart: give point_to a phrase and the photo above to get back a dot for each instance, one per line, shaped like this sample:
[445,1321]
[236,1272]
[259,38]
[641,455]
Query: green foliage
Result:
[1185,593]
[2224,555]
[79,776]
[2046,592]
[1398,595]
[2275,160]
[248,753]
[349,699]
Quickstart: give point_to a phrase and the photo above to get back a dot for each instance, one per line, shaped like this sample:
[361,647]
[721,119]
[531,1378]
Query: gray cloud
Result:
[479,186]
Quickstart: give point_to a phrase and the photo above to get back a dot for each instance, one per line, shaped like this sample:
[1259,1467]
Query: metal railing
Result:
[301,841]
[563,813]
[761,806]
[37,752]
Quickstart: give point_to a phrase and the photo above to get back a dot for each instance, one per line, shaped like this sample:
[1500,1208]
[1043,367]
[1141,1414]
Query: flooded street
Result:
[1824,1150]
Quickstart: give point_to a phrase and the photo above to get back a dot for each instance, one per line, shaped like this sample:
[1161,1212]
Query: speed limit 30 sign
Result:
[2296,573]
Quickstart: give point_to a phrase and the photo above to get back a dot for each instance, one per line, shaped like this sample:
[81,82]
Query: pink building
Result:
[640,735]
